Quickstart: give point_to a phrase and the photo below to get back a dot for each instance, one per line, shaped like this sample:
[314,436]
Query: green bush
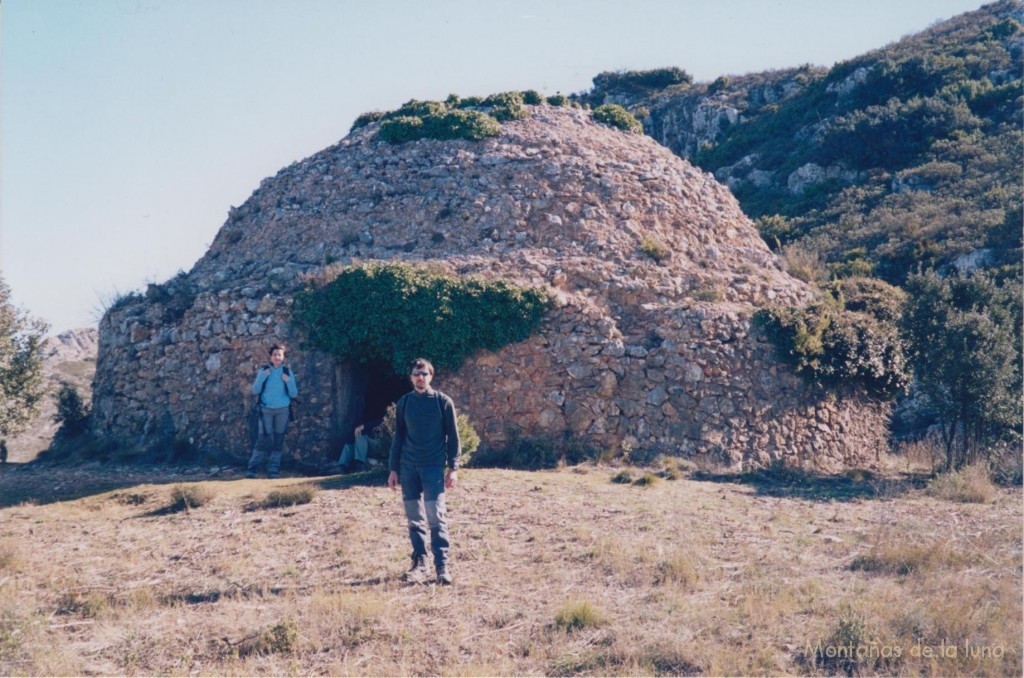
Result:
[506,106]
[875,297]
[437,122]
[417,109]
[529,452]
[654,249]
[72,413]
[365,119]
[392,313]
[400,130]
[776,230]
[640,82]
[532,97]
[468,437]
[830,345]
[965,336]
[559,100]
[471,125]
[617,116]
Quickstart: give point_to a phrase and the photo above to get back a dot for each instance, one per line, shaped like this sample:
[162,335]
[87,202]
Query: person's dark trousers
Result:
[423,497]
[273,425]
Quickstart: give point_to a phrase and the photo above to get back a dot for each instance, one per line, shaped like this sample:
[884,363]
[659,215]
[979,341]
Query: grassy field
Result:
[558,572]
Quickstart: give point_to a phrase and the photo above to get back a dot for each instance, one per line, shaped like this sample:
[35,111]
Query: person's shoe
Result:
[419,572]
[250,474]
[272,476]
[444,576]
[346,469]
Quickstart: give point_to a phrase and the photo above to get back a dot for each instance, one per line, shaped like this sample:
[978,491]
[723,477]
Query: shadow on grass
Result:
[793,483]
[373,478]
[43,484]
[63,484]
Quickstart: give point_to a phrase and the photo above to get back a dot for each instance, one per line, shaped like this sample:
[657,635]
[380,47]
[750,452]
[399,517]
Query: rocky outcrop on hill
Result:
[686,119]
[655,268]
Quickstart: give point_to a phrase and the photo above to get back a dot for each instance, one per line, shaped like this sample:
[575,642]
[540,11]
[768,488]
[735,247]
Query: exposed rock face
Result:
[655,355]
[687,119]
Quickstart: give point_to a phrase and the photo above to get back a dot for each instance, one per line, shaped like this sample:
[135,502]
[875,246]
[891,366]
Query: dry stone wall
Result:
[648,353]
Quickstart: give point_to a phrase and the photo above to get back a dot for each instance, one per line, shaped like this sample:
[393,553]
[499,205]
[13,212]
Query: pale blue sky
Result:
[130,127]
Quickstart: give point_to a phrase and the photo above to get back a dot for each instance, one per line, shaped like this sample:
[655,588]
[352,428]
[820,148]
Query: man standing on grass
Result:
[426,440]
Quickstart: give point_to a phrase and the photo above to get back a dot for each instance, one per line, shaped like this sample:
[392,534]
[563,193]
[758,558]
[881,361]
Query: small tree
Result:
[965,346]
[72,413]
[21,365]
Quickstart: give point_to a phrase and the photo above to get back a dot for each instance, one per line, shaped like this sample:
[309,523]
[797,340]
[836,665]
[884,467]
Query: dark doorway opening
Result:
[363,393]
[383,387]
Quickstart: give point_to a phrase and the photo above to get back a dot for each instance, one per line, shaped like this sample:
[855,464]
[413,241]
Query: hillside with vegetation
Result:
[908,156]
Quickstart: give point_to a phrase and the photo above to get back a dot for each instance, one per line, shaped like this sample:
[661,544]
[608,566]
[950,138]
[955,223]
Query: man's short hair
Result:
[273,348]
[421,364]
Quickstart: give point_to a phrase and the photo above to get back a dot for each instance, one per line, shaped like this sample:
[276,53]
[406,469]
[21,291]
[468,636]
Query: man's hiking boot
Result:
[444,575]
[419,572]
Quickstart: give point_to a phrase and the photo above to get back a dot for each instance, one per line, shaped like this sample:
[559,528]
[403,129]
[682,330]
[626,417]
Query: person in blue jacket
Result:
[275,386]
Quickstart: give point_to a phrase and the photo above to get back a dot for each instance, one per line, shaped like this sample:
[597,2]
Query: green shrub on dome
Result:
[365,119]
[401,129]
[559,100]
[506,106]
[450,119]
[461,125]
[617,116]
[532,97]
[418,109]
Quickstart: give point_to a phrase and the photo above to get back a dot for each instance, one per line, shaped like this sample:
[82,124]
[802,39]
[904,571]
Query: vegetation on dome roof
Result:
[454,118]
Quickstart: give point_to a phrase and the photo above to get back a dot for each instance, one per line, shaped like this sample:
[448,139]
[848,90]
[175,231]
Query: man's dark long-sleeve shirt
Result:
[426,433]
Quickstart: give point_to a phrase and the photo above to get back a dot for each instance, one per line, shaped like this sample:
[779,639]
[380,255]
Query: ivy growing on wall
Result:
[393,312]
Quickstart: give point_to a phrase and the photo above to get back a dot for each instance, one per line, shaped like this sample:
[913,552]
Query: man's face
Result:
[277,358]
[420,379]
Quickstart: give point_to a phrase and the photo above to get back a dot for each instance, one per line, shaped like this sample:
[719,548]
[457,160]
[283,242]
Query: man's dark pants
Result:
[423,498]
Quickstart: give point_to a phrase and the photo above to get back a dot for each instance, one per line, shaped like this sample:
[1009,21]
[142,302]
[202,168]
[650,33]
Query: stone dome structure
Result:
[656,270]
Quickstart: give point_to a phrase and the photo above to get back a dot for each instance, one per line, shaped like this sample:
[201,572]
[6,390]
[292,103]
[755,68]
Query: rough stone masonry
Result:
[656,272]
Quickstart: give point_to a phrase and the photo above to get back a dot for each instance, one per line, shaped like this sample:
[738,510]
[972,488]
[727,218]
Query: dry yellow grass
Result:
[559,572]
